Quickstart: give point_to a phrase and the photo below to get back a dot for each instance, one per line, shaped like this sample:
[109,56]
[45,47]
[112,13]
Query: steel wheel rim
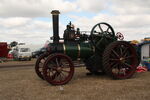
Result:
[127,62]
[55,74]
[114,64]
[39,65]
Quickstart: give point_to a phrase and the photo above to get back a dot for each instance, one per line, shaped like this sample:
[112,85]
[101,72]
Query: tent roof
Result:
[143,43]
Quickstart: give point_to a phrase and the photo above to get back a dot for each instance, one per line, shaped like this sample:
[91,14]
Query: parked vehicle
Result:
[22,52]
[37,53]
[3,50]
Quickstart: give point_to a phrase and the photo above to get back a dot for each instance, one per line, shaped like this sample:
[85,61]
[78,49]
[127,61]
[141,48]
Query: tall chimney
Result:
[55,15]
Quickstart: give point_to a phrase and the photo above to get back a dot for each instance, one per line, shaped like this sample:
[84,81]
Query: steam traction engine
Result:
[100,52]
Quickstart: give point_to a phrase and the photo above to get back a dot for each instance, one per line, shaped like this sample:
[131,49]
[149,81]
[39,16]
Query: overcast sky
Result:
[29,21]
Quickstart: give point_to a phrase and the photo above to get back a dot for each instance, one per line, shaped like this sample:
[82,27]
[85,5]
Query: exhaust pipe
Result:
[55,17]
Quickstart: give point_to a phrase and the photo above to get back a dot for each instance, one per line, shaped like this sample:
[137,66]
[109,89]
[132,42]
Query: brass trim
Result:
[64,47]
[79,49]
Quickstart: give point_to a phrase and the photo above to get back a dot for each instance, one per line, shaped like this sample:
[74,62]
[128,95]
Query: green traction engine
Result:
[101,51]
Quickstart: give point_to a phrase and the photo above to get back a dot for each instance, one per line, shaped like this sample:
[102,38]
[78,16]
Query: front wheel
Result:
[39,65]
[58,69]
[120,60]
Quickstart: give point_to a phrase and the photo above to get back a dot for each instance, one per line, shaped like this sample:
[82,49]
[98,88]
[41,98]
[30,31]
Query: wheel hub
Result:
[59,69]
[122,60]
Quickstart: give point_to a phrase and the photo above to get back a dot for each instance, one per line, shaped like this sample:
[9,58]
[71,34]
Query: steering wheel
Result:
[99,31]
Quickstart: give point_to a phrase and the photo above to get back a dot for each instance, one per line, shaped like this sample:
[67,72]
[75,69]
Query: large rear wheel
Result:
[120,60]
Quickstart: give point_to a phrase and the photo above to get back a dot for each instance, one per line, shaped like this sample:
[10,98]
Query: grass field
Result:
[23,84]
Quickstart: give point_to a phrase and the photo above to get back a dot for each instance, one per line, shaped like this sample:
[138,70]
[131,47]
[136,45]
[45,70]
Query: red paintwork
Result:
[3,49]
[10,56]
[141,69]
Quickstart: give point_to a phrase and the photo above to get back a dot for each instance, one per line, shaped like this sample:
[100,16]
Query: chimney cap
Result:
[55,12]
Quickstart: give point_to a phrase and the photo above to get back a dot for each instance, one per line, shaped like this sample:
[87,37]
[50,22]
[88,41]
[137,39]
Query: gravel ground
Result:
[11,62]
[24,84]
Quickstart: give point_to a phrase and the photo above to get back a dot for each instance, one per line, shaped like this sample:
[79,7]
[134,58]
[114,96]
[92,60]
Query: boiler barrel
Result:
[74,50]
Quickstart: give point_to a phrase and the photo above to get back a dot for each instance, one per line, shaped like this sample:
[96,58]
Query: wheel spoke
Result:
[115,53]
[124,52]
[115,65]
[56,75]
[113,56]
[100,28]
[57,62]
[65,71]
[63,74]
[53,76]
[53,63]
[66,65]
[129,57]
[121,50]
[112,63]
[128,65]
[48,72]
[107,29]
[52,72]
[60,77]
[114,59]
